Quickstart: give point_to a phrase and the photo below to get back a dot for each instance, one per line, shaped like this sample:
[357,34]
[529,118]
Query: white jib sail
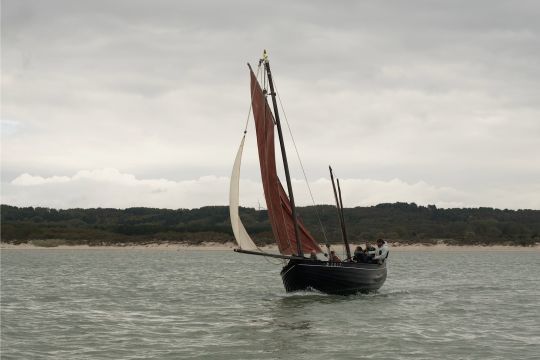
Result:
[242,237]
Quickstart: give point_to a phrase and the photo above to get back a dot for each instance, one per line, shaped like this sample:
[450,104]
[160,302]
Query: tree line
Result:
[403,222]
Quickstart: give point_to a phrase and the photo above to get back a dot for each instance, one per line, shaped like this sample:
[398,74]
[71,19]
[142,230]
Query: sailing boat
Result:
[293,239]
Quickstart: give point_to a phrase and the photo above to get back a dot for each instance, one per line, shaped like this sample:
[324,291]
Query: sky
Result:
[143,103]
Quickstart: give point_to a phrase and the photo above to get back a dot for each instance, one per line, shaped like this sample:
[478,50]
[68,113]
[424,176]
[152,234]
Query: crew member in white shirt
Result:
[380,253]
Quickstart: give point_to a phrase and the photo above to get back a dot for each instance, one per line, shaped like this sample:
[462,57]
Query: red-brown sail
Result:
[277,201]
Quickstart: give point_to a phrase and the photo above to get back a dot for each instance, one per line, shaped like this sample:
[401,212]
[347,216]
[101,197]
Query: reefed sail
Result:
[277,201]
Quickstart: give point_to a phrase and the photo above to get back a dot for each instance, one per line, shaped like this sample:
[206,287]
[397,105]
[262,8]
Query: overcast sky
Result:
[143,103]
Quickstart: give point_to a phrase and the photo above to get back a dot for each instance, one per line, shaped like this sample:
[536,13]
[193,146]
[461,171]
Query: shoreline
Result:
[272,248]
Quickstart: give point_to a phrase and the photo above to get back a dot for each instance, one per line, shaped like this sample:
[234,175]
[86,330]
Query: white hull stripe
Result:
[342,267]
[326,266]
[288,270]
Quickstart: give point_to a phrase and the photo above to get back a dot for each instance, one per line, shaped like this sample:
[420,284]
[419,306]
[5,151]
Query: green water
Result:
[140,304]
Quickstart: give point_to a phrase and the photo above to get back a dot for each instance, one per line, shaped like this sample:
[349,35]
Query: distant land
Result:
[402,222]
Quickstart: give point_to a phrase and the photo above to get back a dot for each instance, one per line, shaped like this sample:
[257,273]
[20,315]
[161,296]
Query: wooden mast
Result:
[339,206]
[283,154]
[345,238]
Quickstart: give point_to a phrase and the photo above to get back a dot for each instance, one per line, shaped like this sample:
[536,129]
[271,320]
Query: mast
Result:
[339,206]
[345,238]
[283,154]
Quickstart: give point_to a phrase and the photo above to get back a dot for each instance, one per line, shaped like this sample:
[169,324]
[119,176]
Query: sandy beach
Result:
[156,246]
[272,248]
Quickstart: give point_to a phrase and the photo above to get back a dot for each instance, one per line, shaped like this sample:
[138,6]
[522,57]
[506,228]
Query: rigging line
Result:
[271,261]
[301,165]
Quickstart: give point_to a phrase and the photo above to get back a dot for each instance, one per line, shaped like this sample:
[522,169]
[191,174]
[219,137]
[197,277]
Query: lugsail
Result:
[240,234]
[277,201]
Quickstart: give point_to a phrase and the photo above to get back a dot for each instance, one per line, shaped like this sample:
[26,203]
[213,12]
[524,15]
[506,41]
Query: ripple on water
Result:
[169,305]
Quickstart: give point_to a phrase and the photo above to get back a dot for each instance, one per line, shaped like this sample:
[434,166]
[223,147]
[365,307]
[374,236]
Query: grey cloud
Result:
[435,91]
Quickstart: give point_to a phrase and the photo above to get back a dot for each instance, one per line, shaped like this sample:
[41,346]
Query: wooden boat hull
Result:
[342,278]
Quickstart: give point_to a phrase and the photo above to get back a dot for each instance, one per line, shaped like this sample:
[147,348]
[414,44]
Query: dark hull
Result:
[333,278]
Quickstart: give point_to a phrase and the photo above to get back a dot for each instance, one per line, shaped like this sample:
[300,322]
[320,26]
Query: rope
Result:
[301,166]
[271,261]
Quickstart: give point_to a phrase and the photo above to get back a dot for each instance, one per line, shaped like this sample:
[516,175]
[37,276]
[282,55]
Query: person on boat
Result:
[369,248]
[359,255]
[369,252]
[380,253]
[334,257]
[313,255]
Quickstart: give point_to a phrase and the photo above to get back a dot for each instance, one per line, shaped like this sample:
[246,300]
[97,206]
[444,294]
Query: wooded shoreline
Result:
[270,248]
[399,222]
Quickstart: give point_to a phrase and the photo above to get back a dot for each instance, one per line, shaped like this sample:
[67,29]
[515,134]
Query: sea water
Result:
[164,304]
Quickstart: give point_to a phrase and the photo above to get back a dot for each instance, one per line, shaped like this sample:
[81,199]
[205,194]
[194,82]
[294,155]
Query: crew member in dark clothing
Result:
[359,255]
